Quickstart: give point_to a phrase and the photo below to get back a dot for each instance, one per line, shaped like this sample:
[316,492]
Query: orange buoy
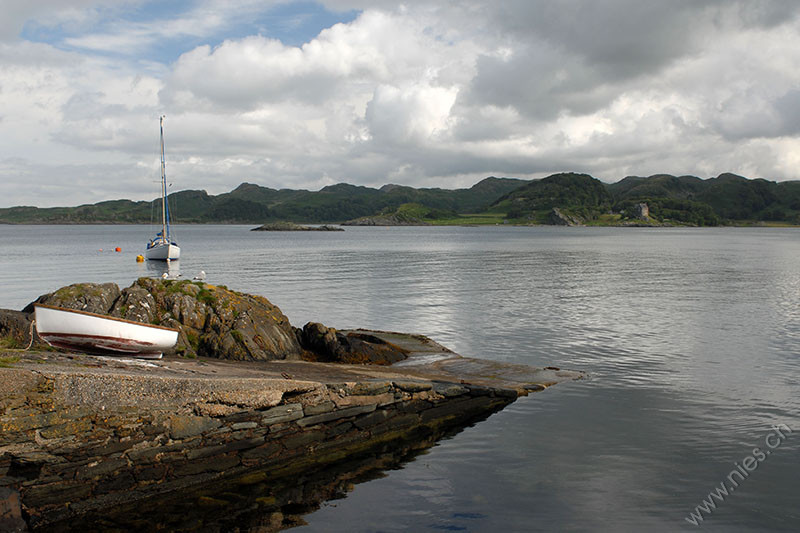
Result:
[117,249]
[140,258]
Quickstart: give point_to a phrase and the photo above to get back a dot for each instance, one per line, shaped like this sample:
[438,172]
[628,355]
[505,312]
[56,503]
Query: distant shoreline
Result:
[758,224]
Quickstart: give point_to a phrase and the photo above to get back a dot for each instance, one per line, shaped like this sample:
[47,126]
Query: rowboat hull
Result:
[101,335]
[164,252]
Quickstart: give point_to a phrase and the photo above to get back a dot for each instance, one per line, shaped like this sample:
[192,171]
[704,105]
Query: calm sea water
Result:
[690,338]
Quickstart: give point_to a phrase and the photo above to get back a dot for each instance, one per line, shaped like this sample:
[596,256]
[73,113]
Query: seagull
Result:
[201,276]
[164,275]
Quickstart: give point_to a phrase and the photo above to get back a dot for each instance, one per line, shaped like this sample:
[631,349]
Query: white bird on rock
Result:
[201,276]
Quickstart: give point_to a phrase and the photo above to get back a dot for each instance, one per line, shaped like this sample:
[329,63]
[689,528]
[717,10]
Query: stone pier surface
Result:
[80,433]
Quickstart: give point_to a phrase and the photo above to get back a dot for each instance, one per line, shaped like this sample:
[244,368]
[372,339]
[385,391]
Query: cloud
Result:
[18,13]
[24,182]
[428,94]
[415,114]
[343,61]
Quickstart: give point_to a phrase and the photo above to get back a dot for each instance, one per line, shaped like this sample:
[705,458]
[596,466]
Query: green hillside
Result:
[250,203]
[671,200]
[726,199]
[564,198]
[578,195]
[658,186]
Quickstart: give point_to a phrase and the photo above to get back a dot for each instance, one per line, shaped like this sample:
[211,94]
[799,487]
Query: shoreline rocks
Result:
[393,219]
[352,347]
[559,218]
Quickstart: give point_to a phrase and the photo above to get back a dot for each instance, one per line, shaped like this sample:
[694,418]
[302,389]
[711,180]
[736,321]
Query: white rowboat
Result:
[101,335]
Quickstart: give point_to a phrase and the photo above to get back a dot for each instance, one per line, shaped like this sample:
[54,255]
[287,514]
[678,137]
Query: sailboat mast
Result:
[164,234]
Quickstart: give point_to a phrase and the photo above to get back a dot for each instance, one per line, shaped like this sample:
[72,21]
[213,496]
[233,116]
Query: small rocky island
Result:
[291,226]
[244,399]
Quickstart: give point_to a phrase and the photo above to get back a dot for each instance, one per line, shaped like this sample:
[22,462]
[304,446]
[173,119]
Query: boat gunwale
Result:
[107,317]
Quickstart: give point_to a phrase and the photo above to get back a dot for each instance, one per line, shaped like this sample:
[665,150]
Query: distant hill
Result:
[580,194]
[563,198]
[725,199]
[250,203]
[689,200]
[658,186]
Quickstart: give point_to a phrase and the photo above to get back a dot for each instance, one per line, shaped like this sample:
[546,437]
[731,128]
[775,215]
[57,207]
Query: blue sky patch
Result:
[142,32]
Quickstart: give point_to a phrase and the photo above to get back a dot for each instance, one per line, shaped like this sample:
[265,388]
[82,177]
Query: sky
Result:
[426,94]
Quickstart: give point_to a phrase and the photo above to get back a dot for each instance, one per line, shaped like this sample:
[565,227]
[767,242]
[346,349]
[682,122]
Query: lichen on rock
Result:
[214,321]
[91,297]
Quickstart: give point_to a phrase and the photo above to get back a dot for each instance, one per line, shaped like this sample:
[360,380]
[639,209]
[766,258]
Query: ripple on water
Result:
[689,337]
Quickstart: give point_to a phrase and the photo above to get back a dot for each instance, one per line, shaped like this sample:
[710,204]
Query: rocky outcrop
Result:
[328,345]
[15,327]
[394,219]
[291,226]
[91,297]
[213,321]
[559,218]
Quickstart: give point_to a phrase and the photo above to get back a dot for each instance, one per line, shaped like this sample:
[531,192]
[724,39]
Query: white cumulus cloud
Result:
[423,93]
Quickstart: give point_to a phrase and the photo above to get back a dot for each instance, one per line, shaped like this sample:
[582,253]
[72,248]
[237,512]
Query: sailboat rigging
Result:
[162,247]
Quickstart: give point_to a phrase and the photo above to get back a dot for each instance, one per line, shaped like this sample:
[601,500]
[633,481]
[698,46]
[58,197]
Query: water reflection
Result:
[255,501]
[158,269]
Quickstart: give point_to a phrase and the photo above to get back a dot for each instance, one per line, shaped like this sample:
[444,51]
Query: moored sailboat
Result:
[162,247]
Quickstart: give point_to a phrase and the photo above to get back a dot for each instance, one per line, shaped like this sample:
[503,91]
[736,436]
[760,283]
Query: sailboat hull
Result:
[163,252]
